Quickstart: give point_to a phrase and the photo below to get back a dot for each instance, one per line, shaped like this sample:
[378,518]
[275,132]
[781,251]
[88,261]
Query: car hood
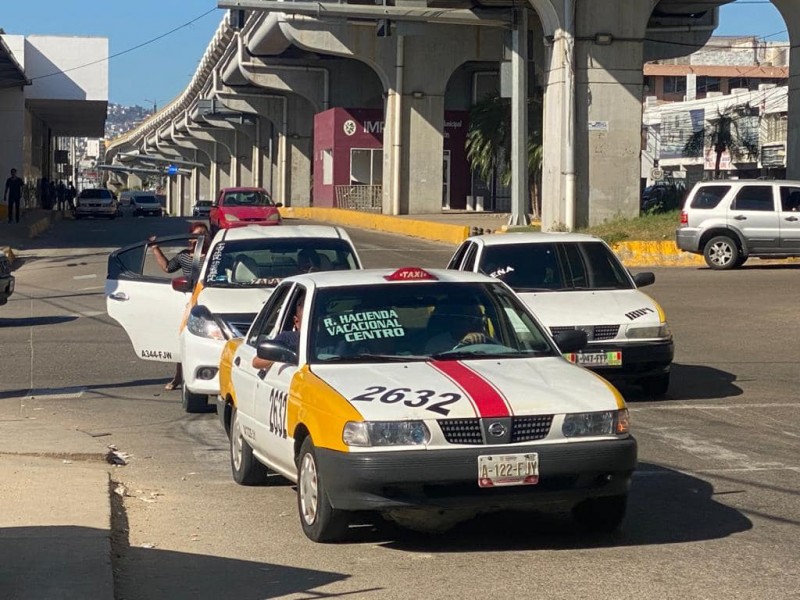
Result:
[606,307]
[249,212]
[234,300]
[469,388]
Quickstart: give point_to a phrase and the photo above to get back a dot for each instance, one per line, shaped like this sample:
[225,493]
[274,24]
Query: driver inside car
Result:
[454,325]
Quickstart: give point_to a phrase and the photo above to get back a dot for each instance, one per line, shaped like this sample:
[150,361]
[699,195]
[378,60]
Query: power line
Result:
[128,50]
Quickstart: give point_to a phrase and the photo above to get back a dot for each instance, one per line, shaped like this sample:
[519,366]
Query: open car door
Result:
[148,302]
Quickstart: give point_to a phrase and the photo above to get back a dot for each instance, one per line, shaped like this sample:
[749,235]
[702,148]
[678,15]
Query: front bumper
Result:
[688,239]
[197,353]
[88,211]
[568,473]
[639,359]
[233,224]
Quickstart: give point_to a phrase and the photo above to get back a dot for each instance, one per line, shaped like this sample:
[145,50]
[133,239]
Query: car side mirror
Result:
[571,340]
[279,204]
[181,284]
[644,279]
[275,352]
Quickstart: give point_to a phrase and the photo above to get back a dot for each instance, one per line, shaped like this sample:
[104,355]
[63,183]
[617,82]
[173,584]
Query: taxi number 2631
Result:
[277,413]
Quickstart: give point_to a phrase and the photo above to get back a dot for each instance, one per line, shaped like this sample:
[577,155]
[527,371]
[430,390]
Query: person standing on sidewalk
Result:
[13,194]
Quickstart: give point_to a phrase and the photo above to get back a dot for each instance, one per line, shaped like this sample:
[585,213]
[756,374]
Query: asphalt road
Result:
[714,510]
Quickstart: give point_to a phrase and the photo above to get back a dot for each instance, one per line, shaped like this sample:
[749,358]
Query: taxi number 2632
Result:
[277,413]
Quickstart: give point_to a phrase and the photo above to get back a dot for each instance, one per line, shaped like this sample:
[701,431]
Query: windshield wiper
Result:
[533,289]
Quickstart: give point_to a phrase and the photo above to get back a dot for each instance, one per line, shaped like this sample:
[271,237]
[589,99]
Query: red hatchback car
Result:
[240,206]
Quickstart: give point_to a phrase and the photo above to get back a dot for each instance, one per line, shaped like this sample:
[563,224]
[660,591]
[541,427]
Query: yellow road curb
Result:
[38,227]
[655,254]
[437,232]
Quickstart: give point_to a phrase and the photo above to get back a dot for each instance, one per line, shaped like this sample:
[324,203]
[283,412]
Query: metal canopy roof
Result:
[11,73]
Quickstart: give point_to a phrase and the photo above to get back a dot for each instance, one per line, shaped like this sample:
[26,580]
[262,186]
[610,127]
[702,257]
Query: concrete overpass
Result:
[254,111]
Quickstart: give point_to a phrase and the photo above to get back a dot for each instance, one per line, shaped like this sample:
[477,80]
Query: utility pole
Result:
[155,107]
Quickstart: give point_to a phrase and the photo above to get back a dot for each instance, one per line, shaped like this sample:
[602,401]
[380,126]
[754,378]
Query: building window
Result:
[327,167]
[742,82]
[776,128]
[674,85]
[366,166]
[708,84]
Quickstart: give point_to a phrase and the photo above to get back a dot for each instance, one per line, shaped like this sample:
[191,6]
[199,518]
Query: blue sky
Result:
[161,70]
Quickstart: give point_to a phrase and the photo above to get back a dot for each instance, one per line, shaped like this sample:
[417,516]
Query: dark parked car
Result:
[146,204]
[6,279]
[202,208]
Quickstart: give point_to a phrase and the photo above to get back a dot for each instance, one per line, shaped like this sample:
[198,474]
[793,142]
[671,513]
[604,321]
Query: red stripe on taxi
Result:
[488,401]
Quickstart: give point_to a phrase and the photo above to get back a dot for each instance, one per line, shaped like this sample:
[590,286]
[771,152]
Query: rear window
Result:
[709,196]
[96,194]
[146,200]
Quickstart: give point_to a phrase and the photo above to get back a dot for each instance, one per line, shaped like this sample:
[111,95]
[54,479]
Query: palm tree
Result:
[724,133]
[489,142]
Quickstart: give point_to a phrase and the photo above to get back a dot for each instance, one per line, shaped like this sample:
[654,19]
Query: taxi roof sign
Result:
[410,274]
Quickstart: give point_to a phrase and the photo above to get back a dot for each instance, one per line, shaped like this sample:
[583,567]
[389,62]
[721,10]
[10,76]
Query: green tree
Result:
[489,142]
[724,132]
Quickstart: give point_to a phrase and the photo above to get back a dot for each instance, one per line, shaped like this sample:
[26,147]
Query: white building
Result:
[50,87]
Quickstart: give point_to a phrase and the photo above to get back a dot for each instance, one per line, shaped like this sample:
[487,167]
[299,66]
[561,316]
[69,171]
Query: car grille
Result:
[523,429]
[593,332]
[239,323]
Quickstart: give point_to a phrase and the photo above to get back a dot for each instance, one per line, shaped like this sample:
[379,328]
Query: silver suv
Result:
[728,221]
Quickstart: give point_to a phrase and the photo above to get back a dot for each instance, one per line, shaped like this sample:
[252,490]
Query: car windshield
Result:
[95,195]
[557,266]
[422,321]
[203,203]
[263,262]
[146,200]
[247,198]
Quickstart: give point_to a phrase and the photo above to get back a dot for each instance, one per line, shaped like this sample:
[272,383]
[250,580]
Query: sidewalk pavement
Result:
[33,223]
[55,522]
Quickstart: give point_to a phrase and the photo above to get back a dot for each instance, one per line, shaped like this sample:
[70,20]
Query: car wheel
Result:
[721,253]
[193,403]
[741,260]
[245,467]
[655,386]
[320,521]
[601,515]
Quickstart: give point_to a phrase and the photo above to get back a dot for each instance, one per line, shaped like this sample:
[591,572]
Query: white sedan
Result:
[188,320]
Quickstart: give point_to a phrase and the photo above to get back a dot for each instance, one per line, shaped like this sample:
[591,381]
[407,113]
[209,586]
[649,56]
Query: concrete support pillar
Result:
[790,10]
[200,151]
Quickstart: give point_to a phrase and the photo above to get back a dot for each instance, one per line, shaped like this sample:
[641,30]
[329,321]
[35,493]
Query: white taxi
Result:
[188,320]
[575,281]
[414,391]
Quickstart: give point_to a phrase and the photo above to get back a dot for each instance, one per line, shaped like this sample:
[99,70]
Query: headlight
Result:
[385,433]
[203,326]
[639,332]
[608,422]
[274,217]
[229,217]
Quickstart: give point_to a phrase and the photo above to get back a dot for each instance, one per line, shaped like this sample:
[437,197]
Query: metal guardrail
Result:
[366,198]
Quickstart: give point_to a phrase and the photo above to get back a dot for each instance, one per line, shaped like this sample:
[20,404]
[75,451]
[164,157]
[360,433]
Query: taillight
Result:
[684,217]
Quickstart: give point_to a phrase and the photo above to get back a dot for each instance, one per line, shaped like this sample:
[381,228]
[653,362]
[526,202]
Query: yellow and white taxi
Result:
[408,390]
[188,320]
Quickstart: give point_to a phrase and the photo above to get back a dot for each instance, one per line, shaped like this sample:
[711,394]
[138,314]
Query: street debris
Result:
[148,546]
[121,491]
[115,457]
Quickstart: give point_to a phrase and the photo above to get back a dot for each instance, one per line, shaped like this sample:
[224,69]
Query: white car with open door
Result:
[242,268]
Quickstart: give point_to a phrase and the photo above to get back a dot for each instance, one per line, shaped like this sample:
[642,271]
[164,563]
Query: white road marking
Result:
[67,393]
[714,406]
[94,287]
[703,448]
[92,276]
[88,313]
[777,467]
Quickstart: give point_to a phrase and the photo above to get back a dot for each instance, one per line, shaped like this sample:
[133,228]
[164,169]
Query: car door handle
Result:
[792,219]
[262,373]
[237,361]
[740,218]
[119,296]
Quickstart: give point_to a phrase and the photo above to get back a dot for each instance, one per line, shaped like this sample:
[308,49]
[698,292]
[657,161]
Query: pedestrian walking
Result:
[71,193]
[61,195]
[13,194]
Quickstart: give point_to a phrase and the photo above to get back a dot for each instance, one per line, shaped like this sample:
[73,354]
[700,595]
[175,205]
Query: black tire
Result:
[721,253]
[741,260]
[656,385]
[319,520]
[193,403]
[245,467]
[601,515]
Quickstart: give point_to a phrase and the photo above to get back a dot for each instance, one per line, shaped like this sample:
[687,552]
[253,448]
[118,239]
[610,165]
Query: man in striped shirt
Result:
[183,261]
